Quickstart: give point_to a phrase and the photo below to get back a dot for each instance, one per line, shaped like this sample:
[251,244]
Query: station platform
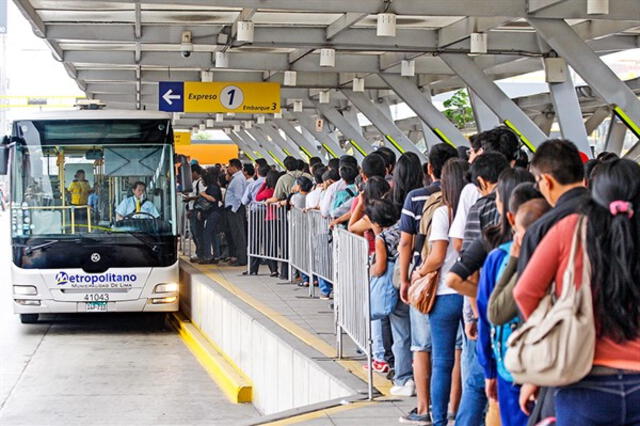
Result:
[295,374]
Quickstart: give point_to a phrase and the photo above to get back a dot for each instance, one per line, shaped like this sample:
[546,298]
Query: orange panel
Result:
[209,154]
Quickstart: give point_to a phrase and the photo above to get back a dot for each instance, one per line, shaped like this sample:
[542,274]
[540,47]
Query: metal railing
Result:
[268,236]
[321,246]
[351,293]
[300,244]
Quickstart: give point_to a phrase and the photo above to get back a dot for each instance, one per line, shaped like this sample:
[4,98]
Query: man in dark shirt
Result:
[559,174]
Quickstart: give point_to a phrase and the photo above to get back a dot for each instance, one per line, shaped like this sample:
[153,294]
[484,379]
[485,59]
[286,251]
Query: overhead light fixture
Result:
[222,60]
[478,45]
[408,68]
[358,84]
[597,7]
[194,129]
[202,127]
[260,119]
[231,114]
[297,105]
[206,76]
[236,127]
[248,124]
[327,57]
[219,117]
[277,115]
[324,97]
[186,47]
[210,123]
[227,130]
[386,25]
[245,31]
[290,78]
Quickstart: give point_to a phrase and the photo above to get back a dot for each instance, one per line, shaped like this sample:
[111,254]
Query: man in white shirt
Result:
[196,226]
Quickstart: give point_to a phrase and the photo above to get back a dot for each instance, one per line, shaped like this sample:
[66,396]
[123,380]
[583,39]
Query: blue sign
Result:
[171,96]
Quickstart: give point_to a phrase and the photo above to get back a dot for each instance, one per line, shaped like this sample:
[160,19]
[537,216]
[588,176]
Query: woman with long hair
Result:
[407,176]
[446,314]
[211,216]
[610,394]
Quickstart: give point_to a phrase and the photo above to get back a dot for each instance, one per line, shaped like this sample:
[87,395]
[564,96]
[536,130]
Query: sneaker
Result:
[325,296]
[408,389]
[413,418]
[378,366]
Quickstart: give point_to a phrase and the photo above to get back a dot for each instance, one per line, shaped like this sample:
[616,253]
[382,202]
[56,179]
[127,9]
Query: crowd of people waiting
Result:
[482,249]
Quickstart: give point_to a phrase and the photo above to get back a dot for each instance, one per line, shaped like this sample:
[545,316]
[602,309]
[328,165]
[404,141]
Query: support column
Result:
[510,114]
[308,147]
[545,121]
[615,136]
[248,150]
[568,112]
[485,118]
[441,126]
[351,115]
[285,144]
[274,151]
[359,142]
[385,126]
[325,139]
[253,144]
[430,138]
[596,119]
[564,40]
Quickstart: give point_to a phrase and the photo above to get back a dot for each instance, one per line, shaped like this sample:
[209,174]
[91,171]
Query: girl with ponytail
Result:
[610,394]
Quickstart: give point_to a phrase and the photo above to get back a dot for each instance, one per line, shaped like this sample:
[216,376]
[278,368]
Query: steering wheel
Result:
[131,215]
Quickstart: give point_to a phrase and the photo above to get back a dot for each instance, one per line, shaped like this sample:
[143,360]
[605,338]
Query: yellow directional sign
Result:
[208,97]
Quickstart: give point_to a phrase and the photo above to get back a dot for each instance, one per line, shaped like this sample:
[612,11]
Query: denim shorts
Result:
[421,332]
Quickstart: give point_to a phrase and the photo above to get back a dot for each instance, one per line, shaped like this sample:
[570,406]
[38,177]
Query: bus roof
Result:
[99,114]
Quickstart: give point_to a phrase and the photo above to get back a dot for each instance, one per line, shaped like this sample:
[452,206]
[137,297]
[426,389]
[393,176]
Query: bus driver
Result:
[137,204]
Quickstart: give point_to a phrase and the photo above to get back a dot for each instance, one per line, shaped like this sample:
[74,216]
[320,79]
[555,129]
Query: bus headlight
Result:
[160,300]
[27,302]
[166,288]
[25,290]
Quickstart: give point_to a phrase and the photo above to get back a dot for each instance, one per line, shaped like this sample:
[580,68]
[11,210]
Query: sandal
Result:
[303,284]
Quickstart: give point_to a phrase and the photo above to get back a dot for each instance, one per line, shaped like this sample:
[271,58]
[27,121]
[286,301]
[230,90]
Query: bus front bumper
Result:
[171,304]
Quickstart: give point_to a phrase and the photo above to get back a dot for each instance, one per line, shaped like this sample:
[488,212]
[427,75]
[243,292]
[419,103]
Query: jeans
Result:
[382,341]
[197,229]
[210,240]
[444,320]
[600,400]
[420,331]
[401,331]
[508,399]
[325,286]
[474,400]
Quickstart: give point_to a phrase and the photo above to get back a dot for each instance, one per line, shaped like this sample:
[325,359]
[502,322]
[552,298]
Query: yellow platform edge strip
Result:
[235,385]
[354,367]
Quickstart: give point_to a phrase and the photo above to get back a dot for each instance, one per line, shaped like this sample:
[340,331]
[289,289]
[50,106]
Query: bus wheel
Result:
[28,318]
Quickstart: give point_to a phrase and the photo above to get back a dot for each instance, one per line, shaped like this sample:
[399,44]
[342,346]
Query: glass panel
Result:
[76,190]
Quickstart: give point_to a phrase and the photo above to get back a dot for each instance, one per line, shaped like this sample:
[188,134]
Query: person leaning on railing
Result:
[265,193]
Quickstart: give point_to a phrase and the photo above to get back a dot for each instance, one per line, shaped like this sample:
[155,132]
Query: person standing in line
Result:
[610,393]
[210,240]
[265,193]
[236,213]
[195,226]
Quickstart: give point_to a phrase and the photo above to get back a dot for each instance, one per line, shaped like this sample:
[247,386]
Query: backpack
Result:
[433,202]
[500,333]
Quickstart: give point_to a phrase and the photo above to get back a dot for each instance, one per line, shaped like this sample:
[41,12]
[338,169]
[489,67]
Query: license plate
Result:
[96,306]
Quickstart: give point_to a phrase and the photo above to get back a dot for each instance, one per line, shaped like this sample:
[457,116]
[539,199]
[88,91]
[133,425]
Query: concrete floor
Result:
[122,369]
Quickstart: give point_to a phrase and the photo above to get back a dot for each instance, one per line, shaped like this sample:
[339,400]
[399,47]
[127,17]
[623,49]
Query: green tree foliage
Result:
[458,109]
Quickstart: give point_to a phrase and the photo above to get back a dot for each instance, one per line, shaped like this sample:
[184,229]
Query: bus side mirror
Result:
[4,156]
[185,174]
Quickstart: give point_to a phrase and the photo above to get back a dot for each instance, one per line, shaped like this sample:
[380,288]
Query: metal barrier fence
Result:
[351,293]
[320,245]
[268,232]
[300,244]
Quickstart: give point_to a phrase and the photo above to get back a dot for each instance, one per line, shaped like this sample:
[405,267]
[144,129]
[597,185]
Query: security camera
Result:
[186,47]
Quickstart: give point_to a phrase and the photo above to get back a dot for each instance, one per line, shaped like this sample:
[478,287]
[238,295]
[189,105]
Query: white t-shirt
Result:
[313,198]
[198,188]
[440,232]
[468,198]
[327,200]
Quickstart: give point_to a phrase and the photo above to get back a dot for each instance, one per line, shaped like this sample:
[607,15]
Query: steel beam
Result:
[272,148]
[253,143]
[596,119]
[441,126]
[343,23]
[545,121]
[484,117]
[248,151]
[615,136]
[559,35]
[355,138]
[285,144]
[568,113]
[326,141]
[387,127]
[496,100]
[307,146]
[351,115]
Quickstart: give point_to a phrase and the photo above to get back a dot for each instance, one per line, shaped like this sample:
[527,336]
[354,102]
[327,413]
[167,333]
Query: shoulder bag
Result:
[556,345]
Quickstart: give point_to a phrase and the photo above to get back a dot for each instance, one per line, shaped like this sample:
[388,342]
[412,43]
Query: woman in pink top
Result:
[610,394]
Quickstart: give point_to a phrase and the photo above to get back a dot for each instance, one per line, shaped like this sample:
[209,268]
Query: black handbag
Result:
[203,205]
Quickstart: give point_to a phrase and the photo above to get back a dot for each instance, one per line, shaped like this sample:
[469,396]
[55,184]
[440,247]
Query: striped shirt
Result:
[412,212]
[482,214]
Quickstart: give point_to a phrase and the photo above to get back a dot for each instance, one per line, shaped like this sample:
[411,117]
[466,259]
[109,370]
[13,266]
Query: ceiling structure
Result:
[119,50]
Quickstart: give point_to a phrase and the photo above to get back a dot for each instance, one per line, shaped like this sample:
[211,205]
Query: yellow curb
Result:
[236,386]
[354,367]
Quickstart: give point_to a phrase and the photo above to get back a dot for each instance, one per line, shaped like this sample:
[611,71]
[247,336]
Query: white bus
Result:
[93,212]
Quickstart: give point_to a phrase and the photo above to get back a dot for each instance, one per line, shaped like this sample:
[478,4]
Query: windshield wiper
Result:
[29,249]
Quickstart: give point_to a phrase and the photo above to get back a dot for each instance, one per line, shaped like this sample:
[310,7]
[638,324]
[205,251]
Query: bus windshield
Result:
[75,190]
